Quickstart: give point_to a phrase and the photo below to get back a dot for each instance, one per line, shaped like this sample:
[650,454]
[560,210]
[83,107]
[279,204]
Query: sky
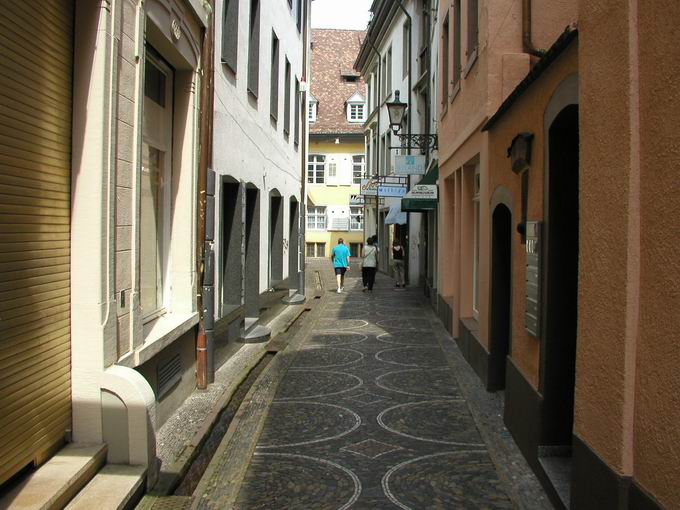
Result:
[347,14]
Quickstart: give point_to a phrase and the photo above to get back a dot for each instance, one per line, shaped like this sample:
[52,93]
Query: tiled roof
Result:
[333,54]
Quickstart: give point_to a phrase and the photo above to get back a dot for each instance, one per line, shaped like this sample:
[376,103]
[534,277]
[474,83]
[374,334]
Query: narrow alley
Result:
[373,412]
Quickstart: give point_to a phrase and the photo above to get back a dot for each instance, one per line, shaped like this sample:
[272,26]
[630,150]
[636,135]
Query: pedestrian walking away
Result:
[340,258]
[398,259]
[369,265]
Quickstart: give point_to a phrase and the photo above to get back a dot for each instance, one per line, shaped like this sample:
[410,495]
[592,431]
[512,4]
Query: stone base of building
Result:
[473,351]
[595,485]
[445,313]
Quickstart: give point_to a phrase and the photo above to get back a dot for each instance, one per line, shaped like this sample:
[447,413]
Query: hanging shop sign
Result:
[364,200]
[409,165]
[369,187]
[423,192]
[392,190]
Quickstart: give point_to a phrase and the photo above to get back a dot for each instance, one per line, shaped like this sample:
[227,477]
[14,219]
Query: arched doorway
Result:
[275,238]
[252,258]
[293,241]
[560,292]
[501,285]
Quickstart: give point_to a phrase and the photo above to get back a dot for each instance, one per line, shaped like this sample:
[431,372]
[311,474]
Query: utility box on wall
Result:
[532,315]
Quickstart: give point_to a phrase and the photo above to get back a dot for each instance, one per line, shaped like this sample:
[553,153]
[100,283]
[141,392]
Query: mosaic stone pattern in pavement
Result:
[370,416]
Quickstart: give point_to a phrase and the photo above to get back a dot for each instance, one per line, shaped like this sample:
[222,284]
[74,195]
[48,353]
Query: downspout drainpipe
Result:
[304,109]
[527,44]
[203,248]
[377,152]
[410,121]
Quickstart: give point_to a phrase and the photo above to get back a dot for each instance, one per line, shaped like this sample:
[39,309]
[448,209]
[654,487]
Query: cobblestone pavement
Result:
[370,416]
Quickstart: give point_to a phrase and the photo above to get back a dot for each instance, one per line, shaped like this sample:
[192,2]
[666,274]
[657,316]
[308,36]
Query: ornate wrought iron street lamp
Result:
[397,110]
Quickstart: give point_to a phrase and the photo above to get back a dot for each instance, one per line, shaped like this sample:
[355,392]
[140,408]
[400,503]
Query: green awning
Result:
[422,204]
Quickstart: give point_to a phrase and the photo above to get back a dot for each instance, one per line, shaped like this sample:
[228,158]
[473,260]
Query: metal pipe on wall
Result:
[303,152]
[205,162]
[527,43]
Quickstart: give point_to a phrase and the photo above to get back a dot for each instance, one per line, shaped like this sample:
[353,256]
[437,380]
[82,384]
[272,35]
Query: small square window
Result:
[356,112]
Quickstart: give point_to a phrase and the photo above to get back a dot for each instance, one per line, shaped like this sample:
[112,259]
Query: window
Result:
[311,113]
[316,169]
[254,48]
[316,218]
[156,182]
[387,74]
[386,154]
[356,112]
[356,218]
[374,90]
[298,13]
[274,99]
[405,49]
[358,168]
[286,99]
[355,250]
[332,169]
[230,34]
[375,169]
[369,169]
[455,78]
[475,260]
[296,137]
[472,27]
[316,250]
[445,61]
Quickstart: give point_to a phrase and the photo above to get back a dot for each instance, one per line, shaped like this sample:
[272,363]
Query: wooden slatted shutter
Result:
[36,68]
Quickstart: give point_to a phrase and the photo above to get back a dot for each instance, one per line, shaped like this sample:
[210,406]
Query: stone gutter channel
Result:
[225,421]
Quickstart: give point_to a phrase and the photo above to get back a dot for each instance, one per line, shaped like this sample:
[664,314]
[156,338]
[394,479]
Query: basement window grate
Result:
[168,375]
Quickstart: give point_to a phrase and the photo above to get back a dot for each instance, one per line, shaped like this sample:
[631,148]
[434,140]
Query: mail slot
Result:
[532,318]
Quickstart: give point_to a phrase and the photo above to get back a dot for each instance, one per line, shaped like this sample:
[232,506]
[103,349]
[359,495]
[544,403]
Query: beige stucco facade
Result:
[117,352]
[334,193]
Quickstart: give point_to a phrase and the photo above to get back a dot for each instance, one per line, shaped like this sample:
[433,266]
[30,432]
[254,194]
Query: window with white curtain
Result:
[316,168]
[358,168]
[316,218]
[356,215]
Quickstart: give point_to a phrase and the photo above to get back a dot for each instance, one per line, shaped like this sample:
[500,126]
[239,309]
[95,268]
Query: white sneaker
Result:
[339,291]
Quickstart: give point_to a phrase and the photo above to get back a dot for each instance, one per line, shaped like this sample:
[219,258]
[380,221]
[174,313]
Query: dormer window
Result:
[356,109]
[313,108]
[356,112]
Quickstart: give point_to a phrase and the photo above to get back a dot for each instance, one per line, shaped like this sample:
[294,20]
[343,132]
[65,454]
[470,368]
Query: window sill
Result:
[158,334]
[470,63]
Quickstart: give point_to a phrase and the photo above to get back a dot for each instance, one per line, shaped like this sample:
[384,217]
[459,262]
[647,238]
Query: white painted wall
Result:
[394,37]
[246,145]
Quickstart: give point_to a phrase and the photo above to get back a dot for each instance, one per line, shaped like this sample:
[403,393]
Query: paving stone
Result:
[373,413]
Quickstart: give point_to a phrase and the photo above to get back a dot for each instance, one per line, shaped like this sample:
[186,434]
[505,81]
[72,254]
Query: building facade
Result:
[136,84]
[396,57]
[557,238]
[253,229]
[336,162]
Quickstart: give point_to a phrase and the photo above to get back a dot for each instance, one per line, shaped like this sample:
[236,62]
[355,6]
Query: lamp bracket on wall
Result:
[424,142]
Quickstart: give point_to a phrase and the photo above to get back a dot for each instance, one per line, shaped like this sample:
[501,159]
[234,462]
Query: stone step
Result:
[56,482]
[115,487]
[256,334]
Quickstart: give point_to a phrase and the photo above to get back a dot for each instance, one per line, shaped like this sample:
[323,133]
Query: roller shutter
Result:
[36,67]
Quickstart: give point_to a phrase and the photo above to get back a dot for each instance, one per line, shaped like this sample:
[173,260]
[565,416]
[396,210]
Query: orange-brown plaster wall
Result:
[657,385]
[526,115]
[605,166]
[499,66]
